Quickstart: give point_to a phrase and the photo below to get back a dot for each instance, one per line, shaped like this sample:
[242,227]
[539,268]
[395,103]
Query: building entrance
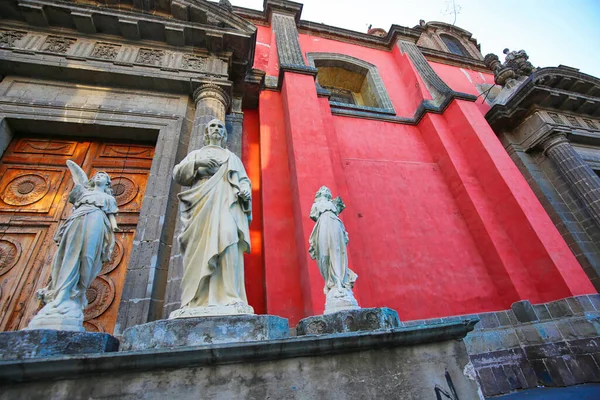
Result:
[34,188]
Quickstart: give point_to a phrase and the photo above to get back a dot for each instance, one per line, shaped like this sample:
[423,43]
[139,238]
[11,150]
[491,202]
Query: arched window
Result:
[454,45]
[352,83]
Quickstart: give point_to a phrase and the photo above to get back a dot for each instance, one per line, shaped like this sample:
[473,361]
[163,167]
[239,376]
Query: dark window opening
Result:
[454,46]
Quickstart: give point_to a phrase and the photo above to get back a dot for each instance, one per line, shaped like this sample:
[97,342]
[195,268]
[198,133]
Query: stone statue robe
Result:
[86,240]
[215,231]
[328,246]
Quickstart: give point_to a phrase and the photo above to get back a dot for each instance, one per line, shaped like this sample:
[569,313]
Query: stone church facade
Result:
[446,222]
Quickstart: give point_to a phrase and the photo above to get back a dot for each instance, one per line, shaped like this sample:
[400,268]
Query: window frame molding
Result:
[359,66]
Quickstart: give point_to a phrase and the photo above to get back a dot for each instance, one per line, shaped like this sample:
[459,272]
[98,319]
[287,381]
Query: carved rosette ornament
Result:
[100,296]
[191,61]
[26,189]
[57,44]
[8,38]
[150,57]
[106,51]
[124,190]
[10,252]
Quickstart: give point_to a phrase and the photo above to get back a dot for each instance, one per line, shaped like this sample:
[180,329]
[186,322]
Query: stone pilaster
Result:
[212,101]
[575,170]
[286,35]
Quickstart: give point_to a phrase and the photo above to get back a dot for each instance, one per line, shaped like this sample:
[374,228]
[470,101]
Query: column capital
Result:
[211,90]
[285,7]
[552,140]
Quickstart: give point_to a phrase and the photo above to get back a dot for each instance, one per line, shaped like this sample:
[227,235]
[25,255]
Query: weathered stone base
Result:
[337,300]
[365,319]
[170,333]
[407,363]
[531,345]
[48,343]
[212,311]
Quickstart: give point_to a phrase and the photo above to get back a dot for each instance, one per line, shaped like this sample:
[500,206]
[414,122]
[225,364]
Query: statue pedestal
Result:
[364,319]
[34,343]
[181,332]
[212,311]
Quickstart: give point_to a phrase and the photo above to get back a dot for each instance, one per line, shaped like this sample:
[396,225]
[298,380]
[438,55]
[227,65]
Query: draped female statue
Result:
[215,214]
[85,240]
[328,246]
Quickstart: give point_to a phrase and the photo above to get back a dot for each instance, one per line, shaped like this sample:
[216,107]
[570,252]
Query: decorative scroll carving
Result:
[115,258]
[150,56]
[127,151]
[26,189]
[93,326]
[10,252]
[124,190]
[58,44]
[63,148]
[194,62]
[8,38]
[515,67]
[106,51]
[100,296]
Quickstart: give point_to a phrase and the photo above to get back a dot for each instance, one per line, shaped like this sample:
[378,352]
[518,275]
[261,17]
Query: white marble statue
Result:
[216,213]
[328,246]
[85,240]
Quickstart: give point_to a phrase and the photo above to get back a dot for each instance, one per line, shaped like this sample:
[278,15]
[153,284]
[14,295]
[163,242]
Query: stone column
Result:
[235,127]
[575,170]
[212,101]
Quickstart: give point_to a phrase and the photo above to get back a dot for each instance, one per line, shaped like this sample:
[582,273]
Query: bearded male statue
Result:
[216,212]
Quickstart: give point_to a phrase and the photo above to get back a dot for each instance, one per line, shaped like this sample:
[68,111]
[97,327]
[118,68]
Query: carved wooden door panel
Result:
[34,187]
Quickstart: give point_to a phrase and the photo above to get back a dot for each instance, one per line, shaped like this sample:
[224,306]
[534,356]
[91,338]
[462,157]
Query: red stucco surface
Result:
[440,220]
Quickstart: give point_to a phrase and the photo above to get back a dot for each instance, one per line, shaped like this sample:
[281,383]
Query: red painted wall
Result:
[254,262]
[440,220]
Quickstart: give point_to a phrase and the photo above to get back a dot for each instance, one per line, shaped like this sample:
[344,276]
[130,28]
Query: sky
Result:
[552,32]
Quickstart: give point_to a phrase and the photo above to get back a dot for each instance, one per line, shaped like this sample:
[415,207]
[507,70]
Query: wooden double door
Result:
[34,188]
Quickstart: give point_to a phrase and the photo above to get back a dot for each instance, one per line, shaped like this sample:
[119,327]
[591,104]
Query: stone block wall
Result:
[551,344]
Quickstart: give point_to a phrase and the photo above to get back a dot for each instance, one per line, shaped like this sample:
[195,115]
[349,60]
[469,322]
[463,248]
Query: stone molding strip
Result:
[426,106]
[313,345]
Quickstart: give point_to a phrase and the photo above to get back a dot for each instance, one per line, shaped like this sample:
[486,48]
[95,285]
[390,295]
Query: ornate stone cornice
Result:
[562,89]
[197,23]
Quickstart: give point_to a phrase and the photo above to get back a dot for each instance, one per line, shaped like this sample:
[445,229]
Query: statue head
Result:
[215,133]
[101,178]
[324,192]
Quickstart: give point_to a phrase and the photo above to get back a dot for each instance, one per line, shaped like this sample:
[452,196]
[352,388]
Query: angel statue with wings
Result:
[85,240]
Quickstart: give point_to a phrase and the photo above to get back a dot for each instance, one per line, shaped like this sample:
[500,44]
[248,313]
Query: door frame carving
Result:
[145,282]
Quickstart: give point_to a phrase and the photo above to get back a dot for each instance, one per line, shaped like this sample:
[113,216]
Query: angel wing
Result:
[339,204]
[79,177]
